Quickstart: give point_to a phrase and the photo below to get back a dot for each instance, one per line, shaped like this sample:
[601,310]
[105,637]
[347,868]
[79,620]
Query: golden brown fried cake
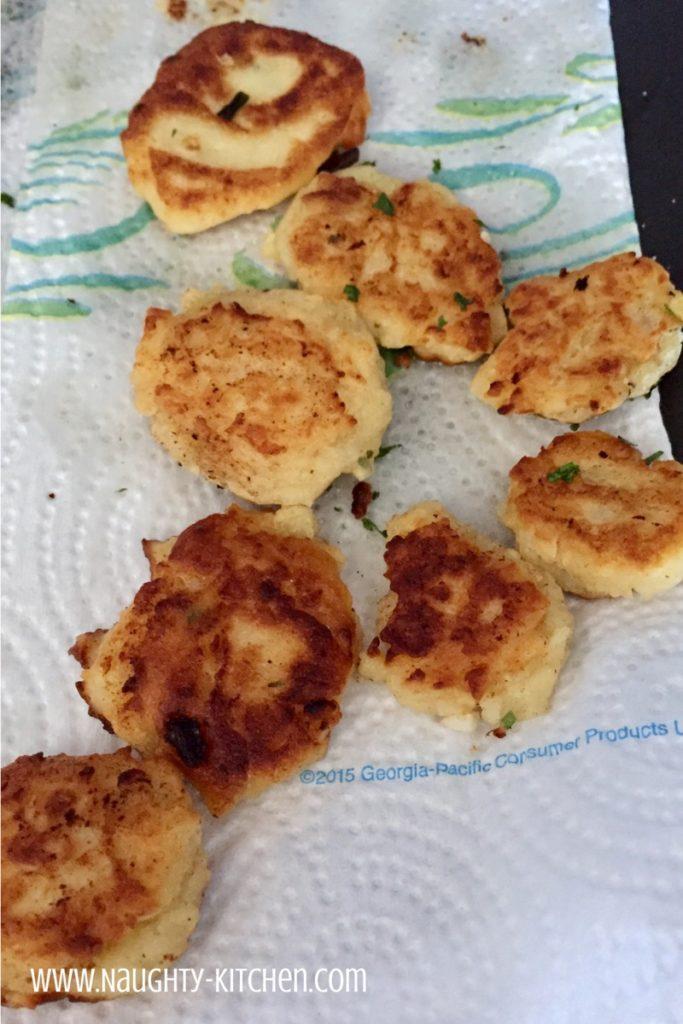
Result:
[414,259]
[102,867]
[583,342]
[238,120]
[468,629]
[272,394]
[600,519]
[231,661]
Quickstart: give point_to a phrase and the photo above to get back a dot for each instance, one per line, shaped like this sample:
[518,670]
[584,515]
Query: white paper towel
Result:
[543,891]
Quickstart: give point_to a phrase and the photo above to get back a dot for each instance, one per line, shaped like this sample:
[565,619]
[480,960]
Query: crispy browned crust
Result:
[272,395]
[195,82]
[407,266]
[71,888]
[230,662]
[617,509]
[224,418]
[445,588]
[580,341]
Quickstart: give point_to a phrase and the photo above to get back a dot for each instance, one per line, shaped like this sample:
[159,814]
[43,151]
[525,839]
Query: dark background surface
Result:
[648,42]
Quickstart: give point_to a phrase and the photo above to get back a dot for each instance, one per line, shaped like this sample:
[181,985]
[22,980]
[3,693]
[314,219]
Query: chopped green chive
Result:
[479,222]
[385,451]
[369,525]
[567,472]
[275,221]
[574,426]
[389,357]
[461,300]
[384,204]
[121,490]
[436,166]
[441,323]
[351,292]
[375,495]
[227,112]
[507,721]
[7,199]
[402,358]
[652,458]
[367,163]
[337,508]
[626,441]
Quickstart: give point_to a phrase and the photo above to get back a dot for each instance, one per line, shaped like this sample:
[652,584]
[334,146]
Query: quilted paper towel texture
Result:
[546,890]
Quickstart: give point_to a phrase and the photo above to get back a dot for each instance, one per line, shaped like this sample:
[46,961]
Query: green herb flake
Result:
[436,166]
[275,221]
[121,490]
[574,426]
[375,495]
[441,323]
[7,199]
[351,292]
[384,204]
[227,112]
[479,222]
[369,525]
[389,357]
[337,508]
[194,615]
[396,359]
[626,441]
[385,451]
[508,720]
[567,472]
[667,308]
[653,458]
[461,300]
[368,163]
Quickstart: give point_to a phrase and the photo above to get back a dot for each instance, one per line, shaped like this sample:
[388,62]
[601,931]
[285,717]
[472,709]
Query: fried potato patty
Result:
[272,394]
[238,120]
[102,867]
[583,342]
[423,274]
[231,661]
[590,511]
[468,629]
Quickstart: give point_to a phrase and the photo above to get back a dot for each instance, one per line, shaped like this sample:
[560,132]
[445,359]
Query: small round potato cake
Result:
[411,257]
[603,521]
[468,629]
[272,394]
[102,868]
[231,661]
[239,119]
[583,342]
